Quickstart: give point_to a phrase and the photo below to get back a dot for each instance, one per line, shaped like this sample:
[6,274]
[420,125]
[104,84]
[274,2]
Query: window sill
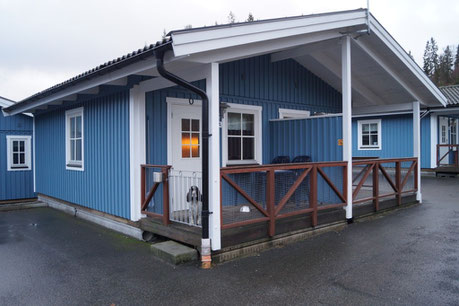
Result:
[25,168]
[369,148]
[74,167]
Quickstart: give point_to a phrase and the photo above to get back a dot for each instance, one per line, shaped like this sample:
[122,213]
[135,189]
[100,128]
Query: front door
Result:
[444,139]
[185,159]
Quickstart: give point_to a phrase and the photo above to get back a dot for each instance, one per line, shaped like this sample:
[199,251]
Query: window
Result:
[74,139]
[242,135]
[190,138]
[369,134]
[285,113]
[18,153]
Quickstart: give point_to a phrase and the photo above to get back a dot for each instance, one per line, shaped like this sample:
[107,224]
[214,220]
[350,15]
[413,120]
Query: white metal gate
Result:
[181,209]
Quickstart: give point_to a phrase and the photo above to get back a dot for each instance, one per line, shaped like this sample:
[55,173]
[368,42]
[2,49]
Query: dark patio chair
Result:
[282,159]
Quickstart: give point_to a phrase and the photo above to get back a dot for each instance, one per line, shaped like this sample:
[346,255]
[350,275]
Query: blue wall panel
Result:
[14,184]
[317,138]
[104,183]
[397,138]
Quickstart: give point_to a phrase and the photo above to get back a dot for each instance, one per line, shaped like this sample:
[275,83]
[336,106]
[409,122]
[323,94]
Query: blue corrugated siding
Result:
[317,138]
[104,183]
[397,138]
[254,81]
[14,184]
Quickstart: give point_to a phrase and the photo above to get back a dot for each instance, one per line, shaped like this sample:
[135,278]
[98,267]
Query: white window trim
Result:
[362,147]
[68,114]
[9,161]
[248,109]
[293,113]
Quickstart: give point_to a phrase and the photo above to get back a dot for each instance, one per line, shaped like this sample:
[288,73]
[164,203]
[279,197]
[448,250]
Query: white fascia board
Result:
[185,43]
[86,85]
[5,102]
[392,44]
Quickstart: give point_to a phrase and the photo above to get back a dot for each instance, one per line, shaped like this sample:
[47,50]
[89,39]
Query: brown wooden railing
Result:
[452,148]
[272,210]
[374,167]
[146,198]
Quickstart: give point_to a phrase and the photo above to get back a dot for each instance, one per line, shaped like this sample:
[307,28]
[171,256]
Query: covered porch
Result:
[267,195]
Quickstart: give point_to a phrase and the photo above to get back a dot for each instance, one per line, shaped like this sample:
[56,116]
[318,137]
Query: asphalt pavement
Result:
[409,256]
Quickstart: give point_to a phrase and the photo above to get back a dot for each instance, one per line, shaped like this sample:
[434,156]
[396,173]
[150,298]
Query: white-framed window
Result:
[285,113]
[18,153]
[369,134]
[74,139]
[242,138]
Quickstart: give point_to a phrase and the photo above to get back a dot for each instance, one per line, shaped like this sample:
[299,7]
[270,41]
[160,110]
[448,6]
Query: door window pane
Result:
[190,141]
[185,125]
[195,125]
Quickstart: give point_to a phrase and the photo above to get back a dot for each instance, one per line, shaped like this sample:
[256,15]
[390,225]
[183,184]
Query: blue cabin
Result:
[16,159]
[269,103]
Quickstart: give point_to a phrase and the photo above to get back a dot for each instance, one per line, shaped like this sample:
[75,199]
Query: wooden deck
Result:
[446,170]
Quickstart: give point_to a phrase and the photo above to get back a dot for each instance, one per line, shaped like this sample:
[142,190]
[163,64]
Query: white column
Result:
[213,92]
[433,140]
[347,117]
[417,144]
[137,147]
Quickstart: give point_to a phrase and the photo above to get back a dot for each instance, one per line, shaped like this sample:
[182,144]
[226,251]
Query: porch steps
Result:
[174,252]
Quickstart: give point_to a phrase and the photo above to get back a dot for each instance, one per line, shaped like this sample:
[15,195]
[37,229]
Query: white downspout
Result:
[417,144]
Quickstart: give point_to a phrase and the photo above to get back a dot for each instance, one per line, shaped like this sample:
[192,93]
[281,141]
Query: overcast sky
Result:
[48,41]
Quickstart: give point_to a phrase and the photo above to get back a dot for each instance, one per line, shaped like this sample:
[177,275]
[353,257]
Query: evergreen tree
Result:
[231,17]
[427,67]
[447,66]
[250,18]
[455,74]
[434,60]
[456,61]
[164,33]
[188,26]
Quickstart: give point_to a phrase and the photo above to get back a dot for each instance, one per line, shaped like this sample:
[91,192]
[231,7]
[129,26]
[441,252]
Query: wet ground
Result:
[410,256]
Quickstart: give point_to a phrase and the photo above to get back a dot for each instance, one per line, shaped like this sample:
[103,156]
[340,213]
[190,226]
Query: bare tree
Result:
[231,17]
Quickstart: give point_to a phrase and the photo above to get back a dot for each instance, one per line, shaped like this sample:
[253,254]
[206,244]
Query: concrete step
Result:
[174,252]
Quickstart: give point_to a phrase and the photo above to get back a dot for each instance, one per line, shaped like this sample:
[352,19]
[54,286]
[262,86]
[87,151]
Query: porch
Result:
[447,159]
[262,202]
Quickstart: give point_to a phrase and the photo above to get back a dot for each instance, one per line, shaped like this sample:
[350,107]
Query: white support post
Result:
[212,88]
[137,147]
[347,117]
[417,144]
[433,140]
[33,158]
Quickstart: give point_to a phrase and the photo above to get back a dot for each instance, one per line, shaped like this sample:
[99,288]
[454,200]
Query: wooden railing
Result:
[146,198]
[374,167]
[271,211]
[451,149]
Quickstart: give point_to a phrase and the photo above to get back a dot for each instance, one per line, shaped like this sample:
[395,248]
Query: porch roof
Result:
[382,72]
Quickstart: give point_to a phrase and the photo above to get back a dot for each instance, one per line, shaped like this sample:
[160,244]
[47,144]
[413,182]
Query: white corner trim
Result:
[68,113]
[360,146]
[137,148]
[433,140]
[293,113]
[9,161]
[258,112]
[33,157]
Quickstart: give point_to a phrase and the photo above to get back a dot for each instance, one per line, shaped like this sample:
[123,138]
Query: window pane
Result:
[186,151]
[195,125]
[21,146]
[374,140]
[234,124]
[234,148]
[15,158]
[72,127]
[247,124]
[186,144]
[72,149]
[365,140]
[195,138]
[22,158]
[78,127]
[194,151]
[248,147]
[78,148]
[185,124]
[15,146]
[374,127]
[365,127]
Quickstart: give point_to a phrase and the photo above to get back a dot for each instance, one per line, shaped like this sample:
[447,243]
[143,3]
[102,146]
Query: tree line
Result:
[442,68]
